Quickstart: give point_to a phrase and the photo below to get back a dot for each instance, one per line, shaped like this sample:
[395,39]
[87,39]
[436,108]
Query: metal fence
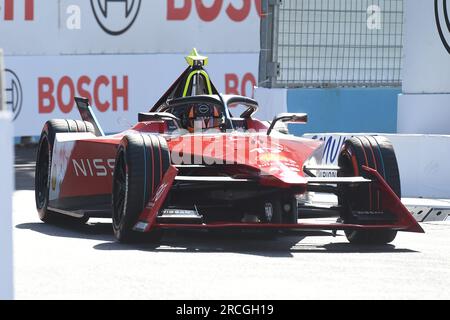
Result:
[331,43]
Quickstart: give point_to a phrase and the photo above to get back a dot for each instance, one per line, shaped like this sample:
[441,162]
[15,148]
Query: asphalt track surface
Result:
[67,262]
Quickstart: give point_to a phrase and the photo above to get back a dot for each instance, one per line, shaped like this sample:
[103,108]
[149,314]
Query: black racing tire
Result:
[141,162]
[378,153]
[44,164]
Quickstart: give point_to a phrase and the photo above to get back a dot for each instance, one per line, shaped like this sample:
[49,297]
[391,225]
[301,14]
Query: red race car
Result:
[189,163]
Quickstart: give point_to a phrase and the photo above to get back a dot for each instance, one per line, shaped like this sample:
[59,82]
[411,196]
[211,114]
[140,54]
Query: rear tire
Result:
[44,165]
[378,153]
[141,162]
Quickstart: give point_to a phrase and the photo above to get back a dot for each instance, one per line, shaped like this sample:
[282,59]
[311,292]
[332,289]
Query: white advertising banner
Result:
[426,64]
[43,88]
[42,27]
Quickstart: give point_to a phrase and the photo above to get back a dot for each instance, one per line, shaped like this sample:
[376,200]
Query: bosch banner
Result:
[118,86]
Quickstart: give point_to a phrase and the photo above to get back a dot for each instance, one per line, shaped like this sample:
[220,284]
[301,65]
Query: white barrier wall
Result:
[424,113]
[426,61]
[6,188]
[121,53]
[271,102]
[422,160]
[424,106]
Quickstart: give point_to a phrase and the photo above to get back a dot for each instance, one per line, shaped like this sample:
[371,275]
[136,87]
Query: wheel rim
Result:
[42,174]
[120,189]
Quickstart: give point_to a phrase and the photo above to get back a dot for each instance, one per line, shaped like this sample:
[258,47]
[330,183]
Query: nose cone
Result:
[279,160]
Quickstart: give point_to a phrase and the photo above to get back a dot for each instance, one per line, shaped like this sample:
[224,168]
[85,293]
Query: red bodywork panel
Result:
[90,169]
[278,162]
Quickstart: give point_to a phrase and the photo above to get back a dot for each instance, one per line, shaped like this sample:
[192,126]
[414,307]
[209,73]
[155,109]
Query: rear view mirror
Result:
[288,118]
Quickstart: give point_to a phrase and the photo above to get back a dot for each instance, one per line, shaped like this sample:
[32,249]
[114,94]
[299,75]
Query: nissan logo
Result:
[203,109]
[14,93]
[443,22]
[115,16]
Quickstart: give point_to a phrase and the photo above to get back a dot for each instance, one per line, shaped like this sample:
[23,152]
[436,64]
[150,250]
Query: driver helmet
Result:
[203,116]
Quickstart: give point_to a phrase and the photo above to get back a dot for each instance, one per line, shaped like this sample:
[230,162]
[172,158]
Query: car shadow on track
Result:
[251,243]
[282,245]
[90,231]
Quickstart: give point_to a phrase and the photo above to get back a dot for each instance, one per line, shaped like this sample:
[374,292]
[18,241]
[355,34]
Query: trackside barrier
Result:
[2,83]
[271,102]
[6,188]
[424,105]
[43,87]
[422,159]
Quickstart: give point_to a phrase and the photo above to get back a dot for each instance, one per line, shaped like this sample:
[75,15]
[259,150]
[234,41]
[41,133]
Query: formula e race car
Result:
[191,163]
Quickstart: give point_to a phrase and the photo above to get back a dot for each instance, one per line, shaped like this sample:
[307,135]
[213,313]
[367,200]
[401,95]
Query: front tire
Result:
[141,162]
[44,165]
[378,153]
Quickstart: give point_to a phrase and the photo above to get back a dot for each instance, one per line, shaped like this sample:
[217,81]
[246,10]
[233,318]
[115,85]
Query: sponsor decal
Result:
[441,10]
[330,155]
[332,148]
[235,85]
[203,109]
[182,9]
[272,157]
[93,167]
[159,192]
[115,17]
[61,93]
[10,10]
[140,226]
[14,93]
